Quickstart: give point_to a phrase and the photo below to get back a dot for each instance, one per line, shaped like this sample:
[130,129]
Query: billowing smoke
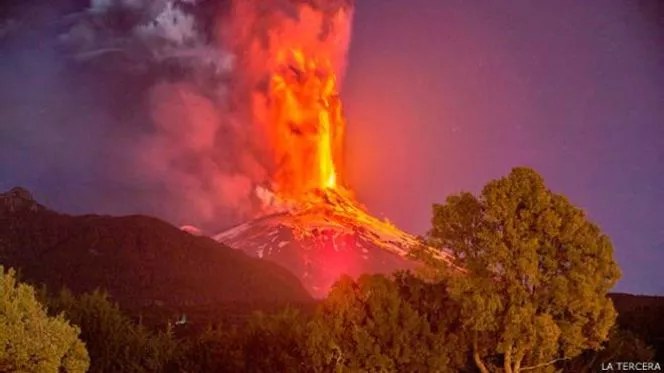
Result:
[189,130]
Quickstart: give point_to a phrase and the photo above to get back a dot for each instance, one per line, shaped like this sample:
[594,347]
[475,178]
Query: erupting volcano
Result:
[311,222]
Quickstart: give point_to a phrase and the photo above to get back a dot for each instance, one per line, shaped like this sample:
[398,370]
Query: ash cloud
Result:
[138,106]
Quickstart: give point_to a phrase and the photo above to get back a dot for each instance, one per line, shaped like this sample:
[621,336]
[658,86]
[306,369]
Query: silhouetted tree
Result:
[114,341]
[265,343]
[622,345]
[218,349]
[537,273]
[645,321]
[30,340]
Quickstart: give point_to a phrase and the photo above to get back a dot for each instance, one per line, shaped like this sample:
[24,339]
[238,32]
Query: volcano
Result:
[323,238]
[310,221]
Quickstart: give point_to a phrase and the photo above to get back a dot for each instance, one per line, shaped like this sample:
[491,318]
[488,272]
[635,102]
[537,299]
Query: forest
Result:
[529,291]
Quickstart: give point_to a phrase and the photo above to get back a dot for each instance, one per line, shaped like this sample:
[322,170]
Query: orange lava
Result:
[306,127]
[306,124]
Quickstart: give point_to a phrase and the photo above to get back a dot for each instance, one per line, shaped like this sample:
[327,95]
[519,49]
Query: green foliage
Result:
[276,343]
[538,272]
[431,299]
[531,292]
[30,340]
[266,343]
[217,349]
[115,342]
[367,326]
[374,324]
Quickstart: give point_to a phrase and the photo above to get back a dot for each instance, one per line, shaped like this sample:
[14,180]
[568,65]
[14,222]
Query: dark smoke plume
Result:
[123,106]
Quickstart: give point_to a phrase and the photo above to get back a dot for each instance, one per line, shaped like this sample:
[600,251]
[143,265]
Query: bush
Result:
[115,342]
[31,340]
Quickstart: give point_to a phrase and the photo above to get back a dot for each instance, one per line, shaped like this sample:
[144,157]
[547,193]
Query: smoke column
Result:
[193,138]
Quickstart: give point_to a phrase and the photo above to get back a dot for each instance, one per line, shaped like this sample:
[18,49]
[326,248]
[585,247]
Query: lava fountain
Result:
[311,224]
[290,56]
[305,123]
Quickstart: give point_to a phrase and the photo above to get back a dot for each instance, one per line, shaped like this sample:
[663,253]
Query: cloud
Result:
[154,106]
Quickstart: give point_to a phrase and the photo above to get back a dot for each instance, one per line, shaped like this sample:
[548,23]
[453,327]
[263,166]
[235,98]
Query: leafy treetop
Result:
[538,273]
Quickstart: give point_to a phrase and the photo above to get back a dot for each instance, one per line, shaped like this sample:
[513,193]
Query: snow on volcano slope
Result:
[324,238]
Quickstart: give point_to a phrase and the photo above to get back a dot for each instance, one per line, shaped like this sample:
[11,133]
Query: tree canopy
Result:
[115,342]
[30,340]
[538,273]
[528,293]
[369,326]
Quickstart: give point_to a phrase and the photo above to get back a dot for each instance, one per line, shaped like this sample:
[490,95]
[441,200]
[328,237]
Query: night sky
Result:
[441,96]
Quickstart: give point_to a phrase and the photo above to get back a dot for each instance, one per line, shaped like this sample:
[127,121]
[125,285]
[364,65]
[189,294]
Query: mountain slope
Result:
[138,259]
[323,237]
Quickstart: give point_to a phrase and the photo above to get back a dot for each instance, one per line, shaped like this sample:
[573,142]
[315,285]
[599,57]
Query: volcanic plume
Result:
[289,55]
[312,224]
[248,125]
[242,96]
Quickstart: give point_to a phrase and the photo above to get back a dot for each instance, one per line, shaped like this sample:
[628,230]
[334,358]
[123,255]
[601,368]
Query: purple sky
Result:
[443,96]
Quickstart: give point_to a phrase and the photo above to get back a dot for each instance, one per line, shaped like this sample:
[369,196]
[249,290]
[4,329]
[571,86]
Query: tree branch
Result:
[520,354]
[507,363]
[476,356]
[544,364]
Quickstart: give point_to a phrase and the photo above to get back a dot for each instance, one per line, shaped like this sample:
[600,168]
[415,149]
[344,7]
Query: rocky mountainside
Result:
[18,200]
[323,238]
[137,259]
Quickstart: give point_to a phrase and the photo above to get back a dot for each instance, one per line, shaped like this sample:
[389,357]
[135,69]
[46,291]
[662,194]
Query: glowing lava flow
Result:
[312,224]
[306,124]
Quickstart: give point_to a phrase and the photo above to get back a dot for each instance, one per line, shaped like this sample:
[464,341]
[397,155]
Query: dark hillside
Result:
[642,315]
[139,260]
